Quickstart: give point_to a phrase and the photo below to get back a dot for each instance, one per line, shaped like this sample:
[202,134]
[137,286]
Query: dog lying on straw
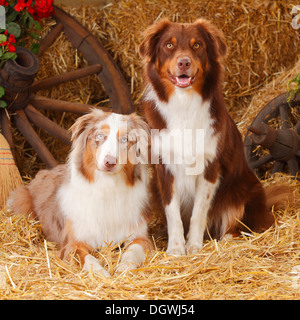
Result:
[100,196]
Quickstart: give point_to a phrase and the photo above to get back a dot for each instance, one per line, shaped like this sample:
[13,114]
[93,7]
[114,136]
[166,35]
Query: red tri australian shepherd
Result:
[100,196]
[183,73]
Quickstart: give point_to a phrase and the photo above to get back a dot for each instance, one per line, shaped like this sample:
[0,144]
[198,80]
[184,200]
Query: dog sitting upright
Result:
[183,74]
[100,196]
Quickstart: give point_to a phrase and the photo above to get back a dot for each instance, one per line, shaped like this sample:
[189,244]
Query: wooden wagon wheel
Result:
[280,147]
[17,77]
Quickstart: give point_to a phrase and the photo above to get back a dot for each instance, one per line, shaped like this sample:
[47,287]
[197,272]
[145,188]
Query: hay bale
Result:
[277,86]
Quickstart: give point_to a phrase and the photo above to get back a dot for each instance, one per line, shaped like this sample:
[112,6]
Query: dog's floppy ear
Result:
[79,126]
[140,133]
[140,124]
[215,37]
[83,122]
[147,49]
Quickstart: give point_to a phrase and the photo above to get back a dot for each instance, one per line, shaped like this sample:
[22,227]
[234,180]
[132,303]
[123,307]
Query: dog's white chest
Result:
[106,213]
[190,141]
[190,136]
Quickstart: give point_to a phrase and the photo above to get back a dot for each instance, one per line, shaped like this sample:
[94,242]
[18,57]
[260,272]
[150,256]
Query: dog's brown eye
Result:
[196,45]
[170,45]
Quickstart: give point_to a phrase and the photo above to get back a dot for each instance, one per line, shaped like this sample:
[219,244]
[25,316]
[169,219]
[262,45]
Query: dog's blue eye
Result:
[100,137]
[123,139]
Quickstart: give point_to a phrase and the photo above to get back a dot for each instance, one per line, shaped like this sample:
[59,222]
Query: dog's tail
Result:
[20,201]
[277,197]
[263,202]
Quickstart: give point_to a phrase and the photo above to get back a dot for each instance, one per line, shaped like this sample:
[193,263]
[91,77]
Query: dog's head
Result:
[183,55]
[108,142]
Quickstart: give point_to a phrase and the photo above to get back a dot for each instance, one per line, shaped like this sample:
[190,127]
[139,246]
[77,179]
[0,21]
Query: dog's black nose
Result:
[183,64]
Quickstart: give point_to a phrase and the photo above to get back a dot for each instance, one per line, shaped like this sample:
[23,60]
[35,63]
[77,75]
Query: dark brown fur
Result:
[240,192]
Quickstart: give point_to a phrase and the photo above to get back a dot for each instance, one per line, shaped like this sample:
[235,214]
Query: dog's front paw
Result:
[125,266]
[92,262]
[176,250]
[193,248]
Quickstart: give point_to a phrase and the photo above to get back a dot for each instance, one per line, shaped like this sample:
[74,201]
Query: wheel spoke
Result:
[32,137]
[66,77]
[261,161]
[297,127]
[278,167]
[46,124]
[63,106]
[284,117]
[293,166]
[50,38]
[94,52]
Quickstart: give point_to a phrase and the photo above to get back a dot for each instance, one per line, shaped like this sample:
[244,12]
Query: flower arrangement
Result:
[22,21]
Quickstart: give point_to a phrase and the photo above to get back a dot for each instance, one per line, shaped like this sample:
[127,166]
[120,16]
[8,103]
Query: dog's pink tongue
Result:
[183,81]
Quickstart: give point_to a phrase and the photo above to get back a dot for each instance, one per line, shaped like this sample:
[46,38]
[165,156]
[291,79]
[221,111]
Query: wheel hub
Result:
[281,147]
[283,144]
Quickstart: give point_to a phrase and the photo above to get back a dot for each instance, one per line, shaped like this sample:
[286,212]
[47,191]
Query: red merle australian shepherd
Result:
[202,180]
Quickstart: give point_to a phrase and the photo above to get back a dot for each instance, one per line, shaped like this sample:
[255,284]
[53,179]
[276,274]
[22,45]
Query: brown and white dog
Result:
[183,73]
[100,196]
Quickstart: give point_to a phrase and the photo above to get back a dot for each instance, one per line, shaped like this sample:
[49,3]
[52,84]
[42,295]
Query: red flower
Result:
[3,44]
[38,9]
[11,38]
[6,32]
[22,4]
[19,7]
[3,3]
[43,9]
[11,48]
[30,10]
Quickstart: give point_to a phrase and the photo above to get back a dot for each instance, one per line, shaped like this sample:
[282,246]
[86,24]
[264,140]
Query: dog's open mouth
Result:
[182,81]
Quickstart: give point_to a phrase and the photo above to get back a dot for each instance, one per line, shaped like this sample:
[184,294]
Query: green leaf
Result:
[2,92]
[3,104]
[11,16]
[35,36]
[37,25]
[293,92]
[9,55]
[25,17]
[14,28]
[1,53]
[3,38]
[35,47]
[34,23]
